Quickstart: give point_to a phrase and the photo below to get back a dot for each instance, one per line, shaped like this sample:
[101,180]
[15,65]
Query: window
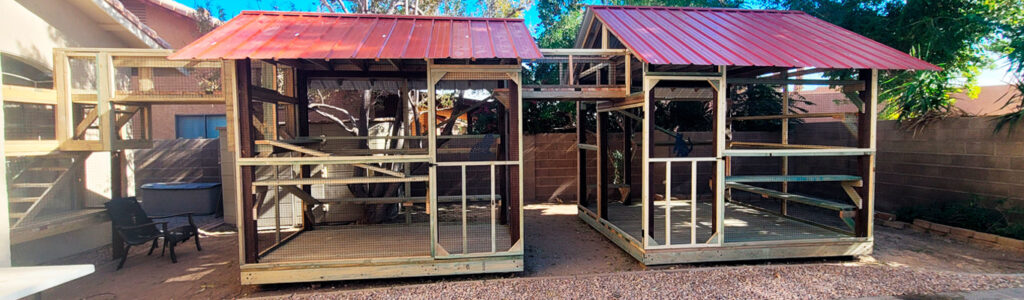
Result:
[198,126]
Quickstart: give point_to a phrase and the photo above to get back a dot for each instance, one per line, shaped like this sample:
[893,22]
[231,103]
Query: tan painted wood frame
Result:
[106,96]
[397,267]
[719,84]
[435,74]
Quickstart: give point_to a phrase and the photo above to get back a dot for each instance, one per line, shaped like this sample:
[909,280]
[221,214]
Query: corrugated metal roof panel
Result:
[739,37]
[288,35]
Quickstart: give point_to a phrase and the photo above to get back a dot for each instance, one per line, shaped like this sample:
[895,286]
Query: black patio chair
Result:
[137,228]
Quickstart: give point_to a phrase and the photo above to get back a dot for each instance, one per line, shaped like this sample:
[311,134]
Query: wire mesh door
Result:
[475,144]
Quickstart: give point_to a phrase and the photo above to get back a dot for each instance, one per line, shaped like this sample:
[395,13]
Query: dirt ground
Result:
[559,244]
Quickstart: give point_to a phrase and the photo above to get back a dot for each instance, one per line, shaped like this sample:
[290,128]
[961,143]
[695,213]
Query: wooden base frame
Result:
[377,268]
[767,250]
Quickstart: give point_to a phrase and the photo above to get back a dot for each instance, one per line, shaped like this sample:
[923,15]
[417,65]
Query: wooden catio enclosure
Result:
[372,146]
[67,148]
[690,86]
[397,138]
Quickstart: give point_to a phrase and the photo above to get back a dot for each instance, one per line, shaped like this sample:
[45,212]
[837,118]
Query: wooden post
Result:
[866,129]
[719,109]
[581,157]
[243,75]
[627,153]
[602,162]
[503,153]
[785,140]
[645,154]
[649,120]
[105,88]
[302,130]
[432,78]
[116,242]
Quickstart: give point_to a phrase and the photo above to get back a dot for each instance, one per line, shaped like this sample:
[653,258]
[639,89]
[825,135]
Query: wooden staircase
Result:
[33,180]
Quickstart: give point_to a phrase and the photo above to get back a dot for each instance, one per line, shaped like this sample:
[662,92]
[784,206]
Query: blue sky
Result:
[996,75]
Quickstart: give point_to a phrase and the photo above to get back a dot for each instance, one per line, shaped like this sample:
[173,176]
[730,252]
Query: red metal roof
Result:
[289,35]
[739,37]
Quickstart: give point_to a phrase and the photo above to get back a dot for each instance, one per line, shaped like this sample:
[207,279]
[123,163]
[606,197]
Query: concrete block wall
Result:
[949,160]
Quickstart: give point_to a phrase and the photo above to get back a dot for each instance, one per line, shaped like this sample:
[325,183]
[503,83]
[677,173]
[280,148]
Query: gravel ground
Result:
[568,259]
[818,281]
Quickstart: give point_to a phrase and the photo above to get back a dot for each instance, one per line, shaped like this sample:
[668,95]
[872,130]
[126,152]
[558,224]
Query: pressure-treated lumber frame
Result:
[439,261]
[719,247]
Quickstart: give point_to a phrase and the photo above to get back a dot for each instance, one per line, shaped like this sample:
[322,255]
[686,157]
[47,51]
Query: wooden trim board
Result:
[328,271]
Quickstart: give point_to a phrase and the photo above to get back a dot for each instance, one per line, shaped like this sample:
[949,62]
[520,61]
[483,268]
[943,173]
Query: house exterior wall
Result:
[163,117]
[43,25]
[176,29]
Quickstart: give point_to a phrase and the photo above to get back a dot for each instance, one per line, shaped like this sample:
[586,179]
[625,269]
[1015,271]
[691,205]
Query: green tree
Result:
[960,36]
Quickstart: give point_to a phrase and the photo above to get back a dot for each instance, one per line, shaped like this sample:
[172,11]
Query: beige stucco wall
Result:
[33,28]
[174,28]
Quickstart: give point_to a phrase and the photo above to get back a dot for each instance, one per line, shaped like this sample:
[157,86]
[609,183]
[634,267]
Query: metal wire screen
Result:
[477,225]
[24,121]
[150,79]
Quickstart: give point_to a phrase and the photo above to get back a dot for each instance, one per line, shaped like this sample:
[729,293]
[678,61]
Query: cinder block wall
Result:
[948,161]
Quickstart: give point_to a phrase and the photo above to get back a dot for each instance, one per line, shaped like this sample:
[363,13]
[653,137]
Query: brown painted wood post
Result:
[116,242]
[627,154]
[302,120]
[243,75]
[513,201]
[602,162]
[581,156]
[865,162]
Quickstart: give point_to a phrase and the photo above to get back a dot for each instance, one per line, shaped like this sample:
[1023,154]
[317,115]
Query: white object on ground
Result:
[19,282]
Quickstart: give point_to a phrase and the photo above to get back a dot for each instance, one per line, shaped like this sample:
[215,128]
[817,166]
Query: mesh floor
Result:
[742,224]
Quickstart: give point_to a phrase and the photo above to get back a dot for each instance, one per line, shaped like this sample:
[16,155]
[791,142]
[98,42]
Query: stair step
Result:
[32,185]
[24,199]
[15,215]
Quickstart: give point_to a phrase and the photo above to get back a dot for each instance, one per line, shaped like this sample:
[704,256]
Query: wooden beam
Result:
[583,52]
[781,145]
[834,115]
[792,81]
[573,93]
[263,94]
[20,94]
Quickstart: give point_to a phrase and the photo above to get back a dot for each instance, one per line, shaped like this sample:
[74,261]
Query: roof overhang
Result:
[113,17]
[292,35]
[741,37]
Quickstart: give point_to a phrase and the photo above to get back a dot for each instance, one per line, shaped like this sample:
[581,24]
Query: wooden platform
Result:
[386,240]
[384,251]
[750,234]
[742,224]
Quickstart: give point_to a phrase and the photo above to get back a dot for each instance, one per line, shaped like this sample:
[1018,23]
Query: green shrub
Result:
[976,213]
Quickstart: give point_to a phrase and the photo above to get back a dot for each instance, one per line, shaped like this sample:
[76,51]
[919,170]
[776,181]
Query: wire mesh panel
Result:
[471,221]
[683,202]
[477,179]
[771,207]
[154,79]
[26,121]
[342,226]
